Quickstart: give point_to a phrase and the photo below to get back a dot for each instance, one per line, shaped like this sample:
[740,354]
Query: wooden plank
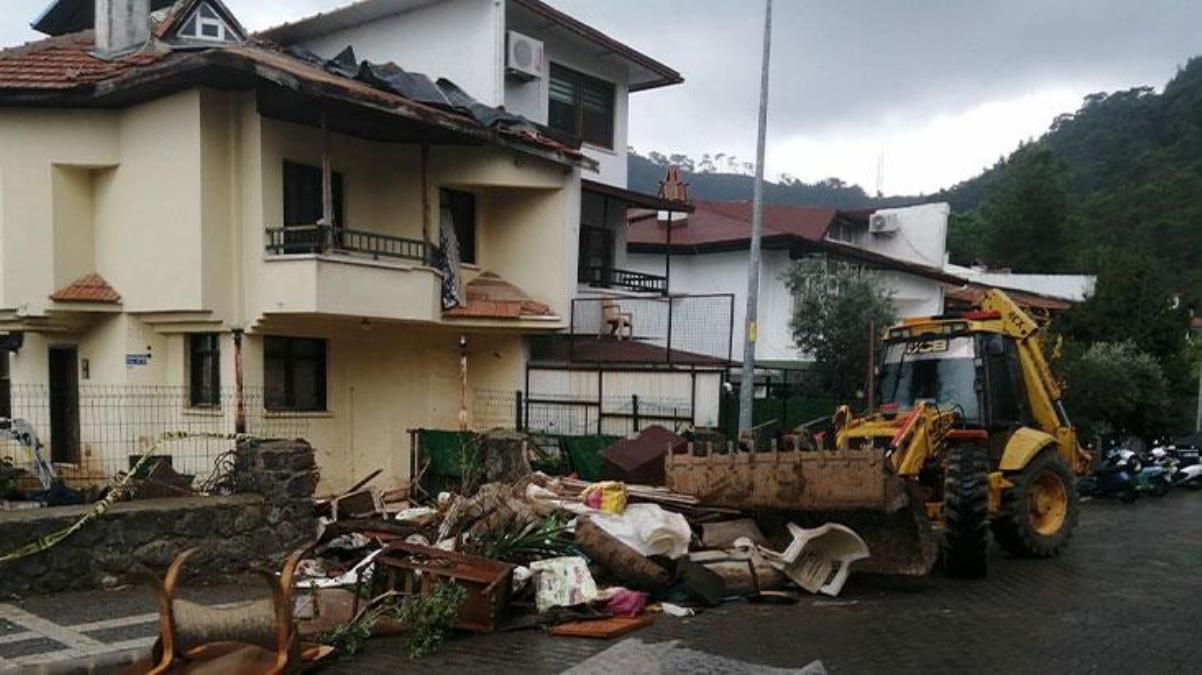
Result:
[602,629]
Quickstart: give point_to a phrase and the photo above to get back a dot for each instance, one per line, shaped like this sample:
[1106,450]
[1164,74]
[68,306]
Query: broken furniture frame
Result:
[414,569]
[251,636]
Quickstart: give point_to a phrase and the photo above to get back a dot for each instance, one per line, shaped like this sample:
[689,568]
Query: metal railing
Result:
[611,277]
[298,239]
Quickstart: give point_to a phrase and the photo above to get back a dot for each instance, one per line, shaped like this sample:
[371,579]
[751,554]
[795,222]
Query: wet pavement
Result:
[1125,597]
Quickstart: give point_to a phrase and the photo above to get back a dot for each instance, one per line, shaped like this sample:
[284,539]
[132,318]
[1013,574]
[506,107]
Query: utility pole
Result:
[751,327]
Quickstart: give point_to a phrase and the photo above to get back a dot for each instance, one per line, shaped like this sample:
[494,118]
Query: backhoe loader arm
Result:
[1025,331]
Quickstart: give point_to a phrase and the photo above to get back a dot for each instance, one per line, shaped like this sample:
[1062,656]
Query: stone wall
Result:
[270,515]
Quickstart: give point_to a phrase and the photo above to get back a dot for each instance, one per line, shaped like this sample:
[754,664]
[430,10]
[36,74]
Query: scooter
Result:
[1153,479]
[1113,477]
[1182,465]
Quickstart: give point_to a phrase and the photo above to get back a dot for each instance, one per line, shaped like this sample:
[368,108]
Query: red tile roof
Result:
[488,296]
[62,63]
[91,288]
[715,224]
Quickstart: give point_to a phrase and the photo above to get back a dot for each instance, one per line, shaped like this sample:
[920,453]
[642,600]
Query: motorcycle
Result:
[1113,477]
[1184,469]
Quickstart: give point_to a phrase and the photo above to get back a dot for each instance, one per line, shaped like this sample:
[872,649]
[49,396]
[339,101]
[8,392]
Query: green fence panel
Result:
[444,451]
[584,452]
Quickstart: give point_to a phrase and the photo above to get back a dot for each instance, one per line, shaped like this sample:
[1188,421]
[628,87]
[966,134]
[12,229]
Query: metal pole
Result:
[239,386]
[751,328]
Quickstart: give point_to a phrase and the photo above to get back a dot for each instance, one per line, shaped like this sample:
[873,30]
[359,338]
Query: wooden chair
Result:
[614,321]
[256,636]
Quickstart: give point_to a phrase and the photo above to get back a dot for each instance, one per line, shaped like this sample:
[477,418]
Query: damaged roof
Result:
[62,62]
[62,71]
[645,72]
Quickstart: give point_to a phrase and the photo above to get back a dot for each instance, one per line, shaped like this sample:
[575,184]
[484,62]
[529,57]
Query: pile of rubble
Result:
[576,558]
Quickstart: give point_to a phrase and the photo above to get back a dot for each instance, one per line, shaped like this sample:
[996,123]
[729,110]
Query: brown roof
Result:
[62,62]
[90,288]
[718,225]
[488,296]
[62,71]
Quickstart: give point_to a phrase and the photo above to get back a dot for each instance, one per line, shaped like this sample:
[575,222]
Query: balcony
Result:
[323,239]
[323,270]
[610,277]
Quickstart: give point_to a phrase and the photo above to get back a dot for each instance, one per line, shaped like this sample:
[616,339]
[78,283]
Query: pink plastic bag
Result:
[625,602]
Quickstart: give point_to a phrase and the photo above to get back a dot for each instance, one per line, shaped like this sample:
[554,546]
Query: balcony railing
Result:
[329,239]
[609,277]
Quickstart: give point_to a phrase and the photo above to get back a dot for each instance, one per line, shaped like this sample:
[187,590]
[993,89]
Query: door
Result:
[64,405]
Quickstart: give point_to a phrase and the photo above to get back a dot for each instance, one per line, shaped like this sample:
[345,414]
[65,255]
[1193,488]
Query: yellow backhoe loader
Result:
[968,435]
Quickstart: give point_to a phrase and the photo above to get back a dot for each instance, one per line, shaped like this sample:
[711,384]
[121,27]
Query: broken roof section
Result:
[645,72]
[378,101]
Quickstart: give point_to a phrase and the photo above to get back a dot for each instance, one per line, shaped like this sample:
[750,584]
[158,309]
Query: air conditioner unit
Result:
[883,223]
[524,57]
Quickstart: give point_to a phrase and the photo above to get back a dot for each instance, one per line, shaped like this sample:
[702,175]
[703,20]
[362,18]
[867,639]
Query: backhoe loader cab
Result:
[970,426]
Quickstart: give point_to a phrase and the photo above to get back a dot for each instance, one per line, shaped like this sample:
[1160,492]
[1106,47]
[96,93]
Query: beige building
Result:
[235,236]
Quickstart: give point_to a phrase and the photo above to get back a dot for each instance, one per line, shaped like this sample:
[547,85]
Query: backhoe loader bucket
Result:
[855,488]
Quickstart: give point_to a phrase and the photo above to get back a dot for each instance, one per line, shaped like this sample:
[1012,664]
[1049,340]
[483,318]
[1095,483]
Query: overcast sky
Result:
[940,88]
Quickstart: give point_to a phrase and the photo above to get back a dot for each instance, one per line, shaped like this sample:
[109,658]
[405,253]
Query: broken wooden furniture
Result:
[614,321]
[255,636]
[414,569]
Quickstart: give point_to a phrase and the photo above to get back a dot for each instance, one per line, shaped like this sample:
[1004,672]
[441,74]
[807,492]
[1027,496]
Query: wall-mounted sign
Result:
[132,360]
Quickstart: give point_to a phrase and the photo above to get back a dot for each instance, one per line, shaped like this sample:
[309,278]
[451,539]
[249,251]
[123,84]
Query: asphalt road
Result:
[1124,598]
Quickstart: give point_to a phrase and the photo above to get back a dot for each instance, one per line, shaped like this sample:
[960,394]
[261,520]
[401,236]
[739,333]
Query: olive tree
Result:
[835,309]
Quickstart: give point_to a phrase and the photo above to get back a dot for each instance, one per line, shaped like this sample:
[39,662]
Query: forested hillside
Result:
[1122,174]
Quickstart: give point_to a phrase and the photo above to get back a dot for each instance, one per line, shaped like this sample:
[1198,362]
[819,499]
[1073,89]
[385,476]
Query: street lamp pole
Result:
[751,326]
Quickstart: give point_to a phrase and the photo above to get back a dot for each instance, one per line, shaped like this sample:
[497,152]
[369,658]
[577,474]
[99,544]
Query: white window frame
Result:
[224,32]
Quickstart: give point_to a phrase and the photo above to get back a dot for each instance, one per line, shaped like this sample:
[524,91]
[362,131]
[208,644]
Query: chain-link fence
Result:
[91,434]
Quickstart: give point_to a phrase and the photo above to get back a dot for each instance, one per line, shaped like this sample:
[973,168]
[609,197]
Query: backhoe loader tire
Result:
[1038,514]
[966,512]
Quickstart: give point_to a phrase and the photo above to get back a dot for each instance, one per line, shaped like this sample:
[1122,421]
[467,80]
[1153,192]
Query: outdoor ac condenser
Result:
[524,57]
[883,223]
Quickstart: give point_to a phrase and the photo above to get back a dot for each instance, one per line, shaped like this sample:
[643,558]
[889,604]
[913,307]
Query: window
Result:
[461,208]
[206,24]
[581,106]
[6,384]
[596,254]
[302,195]
[841,231]
[295,373]
[204,370]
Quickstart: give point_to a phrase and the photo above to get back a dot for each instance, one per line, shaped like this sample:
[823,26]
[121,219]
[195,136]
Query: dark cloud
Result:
[844,69]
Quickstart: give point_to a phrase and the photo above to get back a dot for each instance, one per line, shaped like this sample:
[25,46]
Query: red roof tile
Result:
[488,296]
[62,63]
[91,288]
[718,223]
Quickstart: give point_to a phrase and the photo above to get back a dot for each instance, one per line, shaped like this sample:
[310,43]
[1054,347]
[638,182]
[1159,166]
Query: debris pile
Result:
[573,557]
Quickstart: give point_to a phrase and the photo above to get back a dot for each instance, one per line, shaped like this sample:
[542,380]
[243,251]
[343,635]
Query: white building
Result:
[708,254]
